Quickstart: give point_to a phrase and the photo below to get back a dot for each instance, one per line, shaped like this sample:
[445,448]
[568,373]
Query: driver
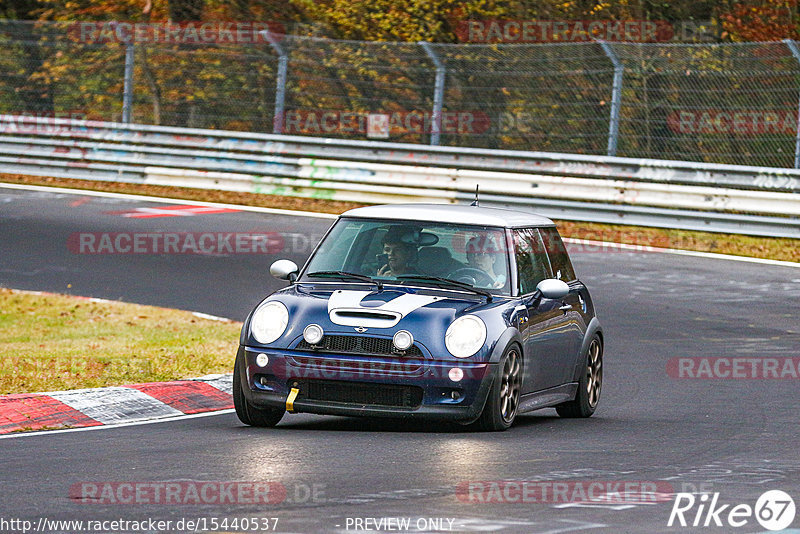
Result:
[483,253]
[400,247]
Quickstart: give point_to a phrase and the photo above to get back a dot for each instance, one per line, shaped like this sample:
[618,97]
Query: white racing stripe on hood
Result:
[342,298]
[343,301]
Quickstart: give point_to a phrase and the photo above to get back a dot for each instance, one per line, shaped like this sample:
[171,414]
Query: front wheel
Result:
[247,413]
[501,406]
[589,386]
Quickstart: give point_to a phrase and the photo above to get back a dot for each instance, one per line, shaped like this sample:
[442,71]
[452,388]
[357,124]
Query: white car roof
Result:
[451,213]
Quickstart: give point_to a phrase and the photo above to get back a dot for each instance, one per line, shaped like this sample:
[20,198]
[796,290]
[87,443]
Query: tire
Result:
[501,405]
[589,385]
[247,413]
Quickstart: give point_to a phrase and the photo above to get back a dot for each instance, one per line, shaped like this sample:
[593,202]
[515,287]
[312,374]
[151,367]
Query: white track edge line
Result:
[17,435]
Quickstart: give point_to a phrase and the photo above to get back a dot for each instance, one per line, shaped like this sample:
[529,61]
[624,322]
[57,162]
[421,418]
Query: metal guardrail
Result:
[711,197]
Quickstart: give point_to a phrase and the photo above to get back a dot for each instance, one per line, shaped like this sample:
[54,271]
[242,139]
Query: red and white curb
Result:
[114,405]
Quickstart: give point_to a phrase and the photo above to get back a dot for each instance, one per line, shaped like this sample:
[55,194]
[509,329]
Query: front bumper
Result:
[423,387]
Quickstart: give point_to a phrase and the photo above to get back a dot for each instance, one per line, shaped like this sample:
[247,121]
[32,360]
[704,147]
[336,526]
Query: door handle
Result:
[565,307]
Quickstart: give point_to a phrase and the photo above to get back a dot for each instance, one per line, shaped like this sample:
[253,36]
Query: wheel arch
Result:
[487,419]
[592,329]
[510,335]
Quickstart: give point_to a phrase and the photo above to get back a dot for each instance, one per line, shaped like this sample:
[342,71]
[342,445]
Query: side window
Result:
[532,263]
[559,258]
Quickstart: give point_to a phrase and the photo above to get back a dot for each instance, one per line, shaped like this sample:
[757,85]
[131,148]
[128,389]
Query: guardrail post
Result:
[438,92]
[127,90]
[796,53]
[616,98]
[280,81]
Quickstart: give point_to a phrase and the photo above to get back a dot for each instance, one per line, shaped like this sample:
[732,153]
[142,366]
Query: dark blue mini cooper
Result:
[448,312]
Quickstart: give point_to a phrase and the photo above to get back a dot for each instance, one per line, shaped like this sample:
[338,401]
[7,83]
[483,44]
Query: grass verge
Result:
[757,247]
[56,342]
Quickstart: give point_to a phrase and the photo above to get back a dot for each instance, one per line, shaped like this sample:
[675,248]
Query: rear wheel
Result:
[501,406]
[589,386]
[247,413]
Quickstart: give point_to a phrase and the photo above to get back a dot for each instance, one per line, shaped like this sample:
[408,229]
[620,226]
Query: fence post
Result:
[127,88]
[796,53]
[280,81]
[438,92]
[616,98]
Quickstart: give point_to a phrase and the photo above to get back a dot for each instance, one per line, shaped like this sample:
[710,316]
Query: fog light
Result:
[455,395]
[403,340]
[313,334]
[456,374]
[262,360]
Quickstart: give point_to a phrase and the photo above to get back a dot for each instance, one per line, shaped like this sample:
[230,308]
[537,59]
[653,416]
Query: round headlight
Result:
[403,339]
[313,334]
[465,336]
[269,321]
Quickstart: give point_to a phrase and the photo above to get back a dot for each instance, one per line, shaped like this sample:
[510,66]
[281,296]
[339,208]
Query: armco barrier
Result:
[712,197]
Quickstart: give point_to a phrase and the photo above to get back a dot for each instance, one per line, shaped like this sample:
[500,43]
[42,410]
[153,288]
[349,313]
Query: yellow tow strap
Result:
[290,399]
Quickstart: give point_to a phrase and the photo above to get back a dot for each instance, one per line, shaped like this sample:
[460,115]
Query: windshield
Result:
[396,251]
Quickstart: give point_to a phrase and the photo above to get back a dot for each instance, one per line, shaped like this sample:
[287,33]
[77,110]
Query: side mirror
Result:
[552,288]
[284,270]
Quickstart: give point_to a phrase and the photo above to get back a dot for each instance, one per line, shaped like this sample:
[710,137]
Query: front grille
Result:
[361,393]
[358,345]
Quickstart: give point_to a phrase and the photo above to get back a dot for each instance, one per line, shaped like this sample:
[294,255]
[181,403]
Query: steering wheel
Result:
[471,275]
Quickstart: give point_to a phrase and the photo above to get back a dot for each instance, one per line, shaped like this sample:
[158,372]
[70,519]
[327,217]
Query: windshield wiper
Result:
[346,274]
[448,282]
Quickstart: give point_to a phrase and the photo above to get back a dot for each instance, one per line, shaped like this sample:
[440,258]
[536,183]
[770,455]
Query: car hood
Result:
[354,309]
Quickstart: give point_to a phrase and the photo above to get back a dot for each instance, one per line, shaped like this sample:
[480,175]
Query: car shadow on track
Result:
[357,424]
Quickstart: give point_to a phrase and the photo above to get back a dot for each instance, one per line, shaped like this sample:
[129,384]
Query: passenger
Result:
[483,253]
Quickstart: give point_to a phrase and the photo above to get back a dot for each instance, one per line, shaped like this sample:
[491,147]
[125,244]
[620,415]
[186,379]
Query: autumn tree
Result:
[37,96]
[767,20]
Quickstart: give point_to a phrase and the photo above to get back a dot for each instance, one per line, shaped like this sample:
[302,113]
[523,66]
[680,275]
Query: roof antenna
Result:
[475,202]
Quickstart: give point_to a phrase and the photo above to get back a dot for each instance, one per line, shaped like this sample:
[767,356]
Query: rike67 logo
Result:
[774,510]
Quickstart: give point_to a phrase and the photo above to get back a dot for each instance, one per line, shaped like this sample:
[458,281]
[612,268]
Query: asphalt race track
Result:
[733,437]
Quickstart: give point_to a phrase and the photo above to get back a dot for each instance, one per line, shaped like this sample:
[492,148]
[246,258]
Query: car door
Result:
[544,333]
[573,305]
